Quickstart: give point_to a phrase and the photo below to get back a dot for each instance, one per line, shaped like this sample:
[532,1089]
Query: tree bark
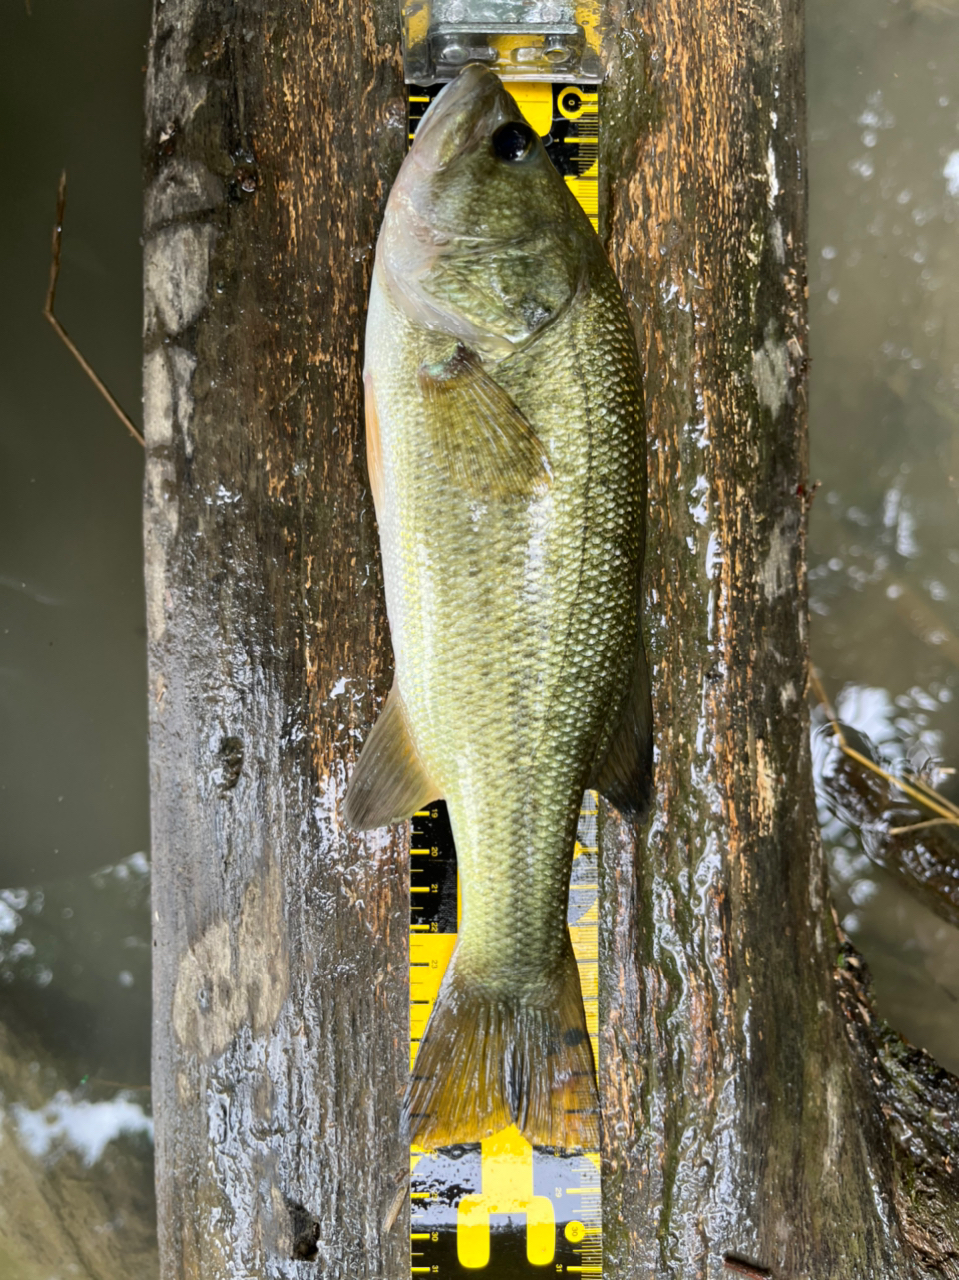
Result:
[280,977]
[754,1108]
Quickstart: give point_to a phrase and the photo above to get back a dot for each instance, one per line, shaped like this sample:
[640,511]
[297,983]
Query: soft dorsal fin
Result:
[623,771]
[480,438]
[389,783]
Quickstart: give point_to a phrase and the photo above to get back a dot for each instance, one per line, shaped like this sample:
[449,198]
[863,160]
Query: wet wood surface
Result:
[280,1034]
[744,1121]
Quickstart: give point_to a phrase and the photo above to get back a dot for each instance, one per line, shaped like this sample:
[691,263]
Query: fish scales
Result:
[506,646]
[512,570]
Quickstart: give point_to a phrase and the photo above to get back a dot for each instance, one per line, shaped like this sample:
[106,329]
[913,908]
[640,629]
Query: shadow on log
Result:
[754,1108]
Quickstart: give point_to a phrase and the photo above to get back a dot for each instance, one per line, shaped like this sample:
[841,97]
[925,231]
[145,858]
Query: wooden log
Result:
[740,1102]
[280,1026]
[756,1114]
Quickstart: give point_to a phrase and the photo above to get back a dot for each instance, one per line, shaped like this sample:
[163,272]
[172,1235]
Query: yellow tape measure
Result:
[566,116]
[501,1206]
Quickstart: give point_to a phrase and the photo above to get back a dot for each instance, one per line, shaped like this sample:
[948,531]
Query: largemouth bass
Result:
[506,453]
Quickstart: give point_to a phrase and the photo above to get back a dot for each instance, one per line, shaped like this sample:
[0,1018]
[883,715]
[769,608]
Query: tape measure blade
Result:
[450,1230]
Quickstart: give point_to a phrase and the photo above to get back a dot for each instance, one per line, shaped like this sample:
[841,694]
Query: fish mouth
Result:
[467,109]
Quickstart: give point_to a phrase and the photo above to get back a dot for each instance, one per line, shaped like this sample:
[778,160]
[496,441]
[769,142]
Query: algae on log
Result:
[754,1108]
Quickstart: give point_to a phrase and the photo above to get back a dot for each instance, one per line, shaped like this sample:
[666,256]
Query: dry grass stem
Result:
[920,826]
[915,788]
[826,705]
[58,327]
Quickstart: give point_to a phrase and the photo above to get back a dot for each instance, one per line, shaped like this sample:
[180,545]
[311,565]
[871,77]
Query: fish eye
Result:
[513,141]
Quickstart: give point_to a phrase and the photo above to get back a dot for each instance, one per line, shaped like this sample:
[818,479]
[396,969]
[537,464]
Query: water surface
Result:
[883,101]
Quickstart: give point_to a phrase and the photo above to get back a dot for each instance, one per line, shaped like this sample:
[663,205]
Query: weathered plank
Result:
[280,1041]
[739,1123]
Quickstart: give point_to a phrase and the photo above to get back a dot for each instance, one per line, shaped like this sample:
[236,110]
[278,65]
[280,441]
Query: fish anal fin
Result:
[623,772]
[480,437]
[487,1061]
[374,450]
[389,783]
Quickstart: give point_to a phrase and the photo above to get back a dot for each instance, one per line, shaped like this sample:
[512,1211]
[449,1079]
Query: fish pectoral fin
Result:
[480,438]
[389,783]
[623,771]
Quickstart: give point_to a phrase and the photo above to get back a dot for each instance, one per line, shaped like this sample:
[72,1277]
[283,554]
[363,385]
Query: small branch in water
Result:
[113,1084]
[921,826]
[915,789]
[827,706]
[746,1268]
[58,327]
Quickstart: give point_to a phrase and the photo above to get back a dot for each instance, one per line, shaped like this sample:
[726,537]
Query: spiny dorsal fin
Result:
[480,437]
[623,771]
[389,783]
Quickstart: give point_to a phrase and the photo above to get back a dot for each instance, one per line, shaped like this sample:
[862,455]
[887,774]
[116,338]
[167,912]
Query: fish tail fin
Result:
[487,1061]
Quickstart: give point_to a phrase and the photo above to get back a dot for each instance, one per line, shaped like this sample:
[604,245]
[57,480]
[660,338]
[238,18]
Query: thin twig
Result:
[397,1205]
[917,790]
[934,795]
[942,807]
[114,1084]
[921,826]
[826,704]
[58,327]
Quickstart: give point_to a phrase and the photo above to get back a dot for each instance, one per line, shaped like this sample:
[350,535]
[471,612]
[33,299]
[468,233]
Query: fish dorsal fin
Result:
[623,771]
[480,438]
[389,783]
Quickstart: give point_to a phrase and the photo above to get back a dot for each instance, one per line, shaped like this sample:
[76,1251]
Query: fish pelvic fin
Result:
[389,783]
[481,439]
[623,772]
[487,1061]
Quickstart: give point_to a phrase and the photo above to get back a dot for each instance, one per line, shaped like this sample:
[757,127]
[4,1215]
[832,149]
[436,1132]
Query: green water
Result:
[883,98]
[74,878]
